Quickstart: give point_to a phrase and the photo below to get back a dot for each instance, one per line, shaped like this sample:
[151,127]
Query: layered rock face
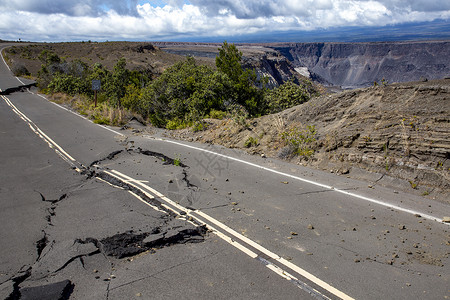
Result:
[276,68]
[361,64]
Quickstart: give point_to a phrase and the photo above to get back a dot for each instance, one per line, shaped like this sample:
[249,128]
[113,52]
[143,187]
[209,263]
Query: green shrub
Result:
[300,140]
[199,126]
[68,84]
[217,114]
[176,124]
[177,161]
[185,92]
[132,98]
[250,142]
[101,121]
[287,95]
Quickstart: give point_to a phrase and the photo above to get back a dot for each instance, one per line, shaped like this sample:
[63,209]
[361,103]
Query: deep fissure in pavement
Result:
[41,244]
[16,294]
[129,243]
[108,157]
[21,88]
[52,208]
[166,160]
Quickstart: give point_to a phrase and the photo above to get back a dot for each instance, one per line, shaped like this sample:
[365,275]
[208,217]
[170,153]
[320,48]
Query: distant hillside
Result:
[353,65]
[139,55]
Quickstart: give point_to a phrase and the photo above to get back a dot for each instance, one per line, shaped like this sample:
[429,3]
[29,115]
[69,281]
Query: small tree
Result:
[245,82]
[229,61]
[286,95]
[117,81]
[184,93]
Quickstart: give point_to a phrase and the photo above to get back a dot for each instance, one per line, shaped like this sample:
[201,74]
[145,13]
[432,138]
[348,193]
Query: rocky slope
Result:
[360,64]
[397,135]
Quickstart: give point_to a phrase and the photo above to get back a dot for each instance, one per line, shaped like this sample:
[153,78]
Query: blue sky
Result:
[157,20]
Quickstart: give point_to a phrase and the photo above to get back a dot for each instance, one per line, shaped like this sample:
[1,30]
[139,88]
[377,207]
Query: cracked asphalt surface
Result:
[72,235]
[68,234]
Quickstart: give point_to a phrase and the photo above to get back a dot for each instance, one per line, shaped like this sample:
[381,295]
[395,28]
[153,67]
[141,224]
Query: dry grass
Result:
[102,114]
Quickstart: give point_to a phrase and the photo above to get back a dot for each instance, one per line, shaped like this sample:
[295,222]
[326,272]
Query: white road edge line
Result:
[4,61]
[224,227]
[379,202]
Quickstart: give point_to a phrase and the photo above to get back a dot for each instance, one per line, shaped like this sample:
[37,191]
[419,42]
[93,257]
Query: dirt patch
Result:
[400,131]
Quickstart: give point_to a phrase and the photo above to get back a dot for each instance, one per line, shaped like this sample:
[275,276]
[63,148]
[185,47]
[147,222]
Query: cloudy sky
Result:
[99,20]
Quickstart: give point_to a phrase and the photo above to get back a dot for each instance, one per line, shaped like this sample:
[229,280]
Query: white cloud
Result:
[71,8]
[152,20]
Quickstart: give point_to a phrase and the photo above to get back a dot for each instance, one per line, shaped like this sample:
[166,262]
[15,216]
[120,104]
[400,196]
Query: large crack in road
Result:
[20,88]
[54,255]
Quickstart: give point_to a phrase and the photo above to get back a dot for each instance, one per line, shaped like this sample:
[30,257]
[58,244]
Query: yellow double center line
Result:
[244,244]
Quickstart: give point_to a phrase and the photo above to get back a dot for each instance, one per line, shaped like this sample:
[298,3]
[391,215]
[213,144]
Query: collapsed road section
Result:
[83,249]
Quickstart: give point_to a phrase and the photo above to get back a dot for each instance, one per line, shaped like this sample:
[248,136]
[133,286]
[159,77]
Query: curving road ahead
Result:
[93,212]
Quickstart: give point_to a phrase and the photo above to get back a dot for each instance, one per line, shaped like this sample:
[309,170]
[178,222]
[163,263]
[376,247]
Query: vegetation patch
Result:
[299,140]
[250,142]
[199,126]
[180,97]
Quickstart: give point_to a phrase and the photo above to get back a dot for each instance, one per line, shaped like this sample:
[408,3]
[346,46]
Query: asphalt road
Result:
[92,212]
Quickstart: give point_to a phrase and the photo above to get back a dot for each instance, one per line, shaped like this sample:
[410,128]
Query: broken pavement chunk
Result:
[58,290]
[123,244]
[174,232]
[153,239]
